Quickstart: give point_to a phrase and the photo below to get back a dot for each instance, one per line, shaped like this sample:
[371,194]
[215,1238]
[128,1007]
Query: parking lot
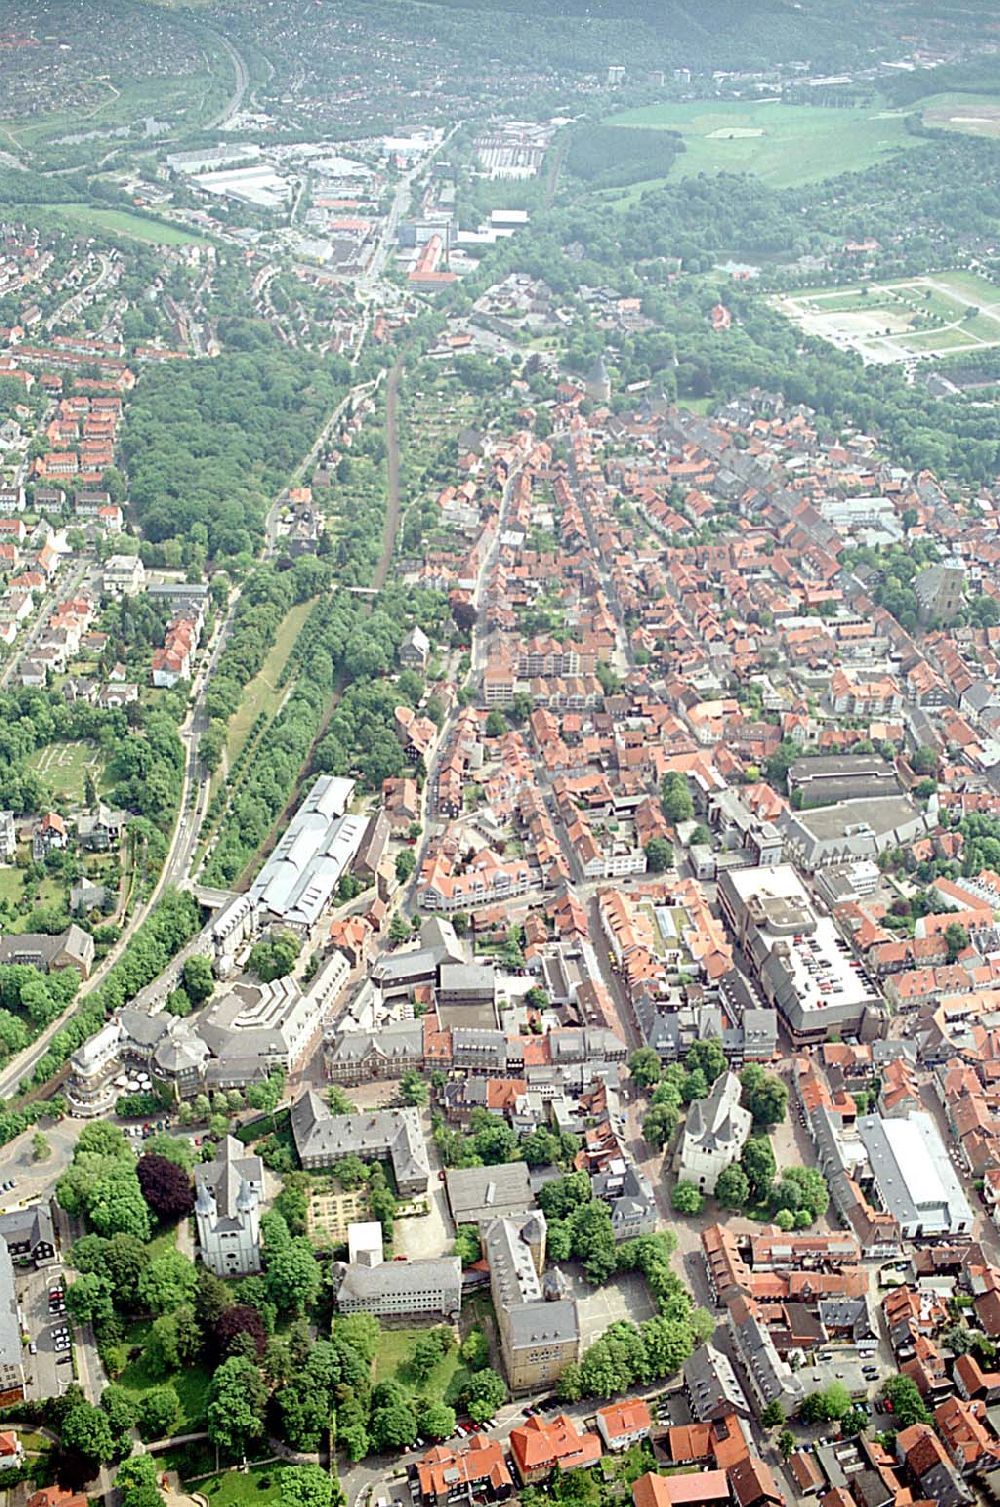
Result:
[49,1371]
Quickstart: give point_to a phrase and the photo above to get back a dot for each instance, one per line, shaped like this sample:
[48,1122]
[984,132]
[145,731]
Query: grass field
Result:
[262,694]
[235,1488]
[65,766]
[781,144]
[445,1381]
[190,1384]
[120,222]
[969,114]
[943,313]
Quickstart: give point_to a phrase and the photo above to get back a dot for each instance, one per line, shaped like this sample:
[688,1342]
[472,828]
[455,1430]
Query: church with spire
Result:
[228,1192]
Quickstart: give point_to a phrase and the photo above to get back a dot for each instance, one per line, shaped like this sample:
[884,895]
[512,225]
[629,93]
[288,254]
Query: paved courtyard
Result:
[624,1297]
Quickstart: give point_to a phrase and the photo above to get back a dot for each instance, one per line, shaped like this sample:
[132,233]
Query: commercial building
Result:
[803,967]
[913,1176]
[228,1191]
[238,1039]
[11,1349]
[853,830]
[297,882]
[840,777]
[715,1132]
[322,1139]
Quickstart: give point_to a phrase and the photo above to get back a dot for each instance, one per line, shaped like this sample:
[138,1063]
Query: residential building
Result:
[712,1388]
[73,948]
[29,1234]
[415,649]
[769,1378]
[702,1488]
[8,836]
[228,1191]
[539,1447]
[478,1472]
[123,576]
[625,1423]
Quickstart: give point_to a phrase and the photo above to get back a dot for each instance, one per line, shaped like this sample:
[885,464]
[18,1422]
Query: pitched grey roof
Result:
[370,1283]
[392,1132]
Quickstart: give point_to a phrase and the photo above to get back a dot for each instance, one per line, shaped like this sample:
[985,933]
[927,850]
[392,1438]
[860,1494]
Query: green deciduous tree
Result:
[732,1189]
[645,1067]
[686,1199]
[235,1408]
[305,1486]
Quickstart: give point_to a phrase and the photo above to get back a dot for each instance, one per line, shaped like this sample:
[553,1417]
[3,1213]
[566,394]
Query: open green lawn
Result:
[969,114]
[237,1488]
[445,1381]
[263,693]
[191,1384]
[781,144]
[64,766]
[120,222]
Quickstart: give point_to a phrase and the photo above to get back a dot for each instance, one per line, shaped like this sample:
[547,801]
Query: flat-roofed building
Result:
[802,965]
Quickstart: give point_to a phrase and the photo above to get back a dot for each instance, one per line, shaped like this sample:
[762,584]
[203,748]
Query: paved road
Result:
[241,84]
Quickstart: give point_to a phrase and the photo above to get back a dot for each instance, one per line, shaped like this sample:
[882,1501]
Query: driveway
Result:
[431,1234]
[45,1374]
[37,1180]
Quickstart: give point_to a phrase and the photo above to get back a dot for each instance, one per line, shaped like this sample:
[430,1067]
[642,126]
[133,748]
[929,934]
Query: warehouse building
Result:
[913,1177]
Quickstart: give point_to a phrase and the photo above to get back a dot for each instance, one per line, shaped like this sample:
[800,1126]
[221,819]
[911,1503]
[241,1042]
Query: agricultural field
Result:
[941,314]
[969,114]
[781,144]
[66,765]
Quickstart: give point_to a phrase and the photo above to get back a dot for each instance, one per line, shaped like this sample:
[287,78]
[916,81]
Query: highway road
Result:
[241,84]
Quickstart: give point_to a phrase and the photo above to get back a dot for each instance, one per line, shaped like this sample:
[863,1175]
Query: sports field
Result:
[781,144]
[969,114]
[64,766]
[943,313]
